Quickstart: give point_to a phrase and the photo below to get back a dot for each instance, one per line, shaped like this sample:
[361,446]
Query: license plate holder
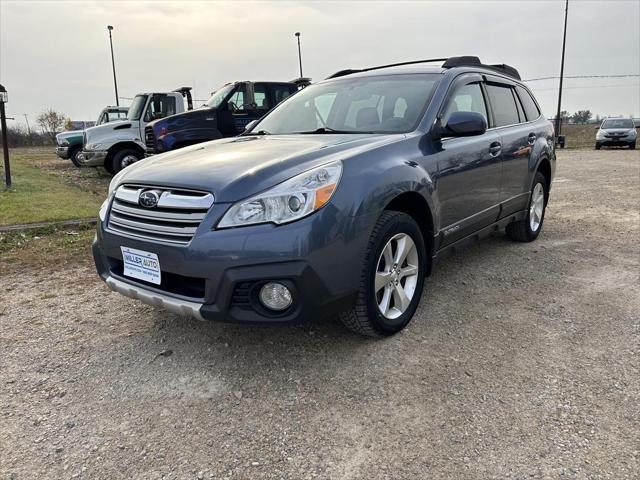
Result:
[141,265]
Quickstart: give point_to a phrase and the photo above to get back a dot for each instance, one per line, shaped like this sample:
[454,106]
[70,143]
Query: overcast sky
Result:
[56,53]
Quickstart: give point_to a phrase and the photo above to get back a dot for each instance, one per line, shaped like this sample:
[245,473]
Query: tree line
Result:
[50,123]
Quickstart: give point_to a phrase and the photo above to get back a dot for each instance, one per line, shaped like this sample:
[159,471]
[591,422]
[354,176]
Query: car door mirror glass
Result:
[465,124]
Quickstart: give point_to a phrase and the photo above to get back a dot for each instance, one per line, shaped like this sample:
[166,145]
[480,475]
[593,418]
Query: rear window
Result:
[529,105]
[503,104]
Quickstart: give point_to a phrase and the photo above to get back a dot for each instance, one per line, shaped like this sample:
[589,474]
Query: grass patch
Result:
[46,188]
[45,247]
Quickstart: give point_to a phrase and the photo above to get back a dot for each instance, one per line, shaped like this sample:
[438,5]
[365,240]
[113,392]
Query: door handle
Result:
[495,148]
[532,138]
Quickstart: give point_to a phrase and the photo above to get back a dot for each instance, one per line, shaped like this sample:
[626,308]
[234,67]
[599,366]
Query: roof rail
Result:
[451,62]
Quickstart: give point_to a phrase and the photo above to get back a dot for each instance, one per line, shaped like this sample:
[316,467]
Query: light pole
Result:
[560,139]
[299,53]
[113,65]
[4,98]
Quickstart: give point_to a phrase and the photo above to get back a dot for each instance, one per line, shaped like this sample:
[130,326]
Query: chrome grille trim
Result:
[175,219]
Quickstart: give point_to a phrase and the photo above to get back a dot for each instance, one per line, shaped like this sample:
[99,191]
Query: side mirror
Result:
[464,124]
[250,125]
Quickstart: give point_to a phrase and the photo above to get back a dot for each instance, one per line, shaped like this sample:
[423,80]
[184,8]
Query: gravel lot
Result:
[523,362]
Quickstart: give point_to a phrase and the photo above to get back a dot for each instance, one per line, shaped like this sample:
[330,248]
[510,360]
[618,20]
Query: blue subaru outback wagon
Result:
[338,201]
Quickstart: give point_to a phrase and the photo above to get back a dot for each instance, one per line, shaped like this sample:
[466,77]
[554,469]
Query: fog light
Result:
[275,296]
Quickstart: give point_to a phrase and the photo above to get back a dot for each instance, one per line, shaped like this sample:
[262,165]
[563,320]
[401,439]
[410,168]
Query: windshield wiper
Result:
[329,130]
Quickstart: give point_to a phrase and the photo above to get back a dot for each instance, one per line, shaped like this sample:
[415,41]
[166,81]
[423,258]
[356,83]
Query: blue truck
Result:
[226,114]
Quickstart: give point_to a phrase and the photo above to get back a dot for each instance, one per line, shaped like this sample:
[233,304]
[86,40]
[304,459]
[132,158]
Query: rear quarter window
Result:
[503,105]
[529,105]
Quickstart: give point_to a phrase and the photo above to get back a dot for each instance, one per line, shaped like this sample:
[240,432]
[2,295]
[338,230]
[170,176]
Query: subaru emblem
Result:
[149,198]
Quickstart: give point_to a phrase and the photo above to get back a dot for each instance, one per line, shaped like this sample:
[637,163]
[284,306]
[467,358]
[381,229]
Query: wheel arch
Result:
[416,206]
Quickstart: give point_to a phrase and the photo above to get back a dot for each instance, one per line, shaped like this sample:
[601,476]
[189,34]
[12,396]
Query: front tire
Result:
[123,159]
[392,277]
[632,145]
[74,157]
[528,229]
[598,146]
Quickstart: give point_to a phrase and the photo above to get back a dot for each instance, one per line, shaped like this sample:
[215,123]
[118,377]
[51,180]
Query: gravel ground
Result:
[523,361]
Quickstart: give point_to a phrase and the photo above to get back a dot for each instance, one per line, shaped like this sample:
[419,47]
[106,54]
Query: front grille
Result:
[150,140]
[174,219]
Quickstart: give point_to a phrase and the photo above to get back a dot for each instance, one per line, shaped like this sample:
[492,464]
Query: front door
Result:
[469,168]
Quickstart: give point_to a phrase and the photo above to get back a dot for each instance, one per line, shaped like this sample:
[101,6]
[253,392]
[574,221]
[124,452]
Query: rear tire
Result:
[123,159]
[528,229]
[392,277]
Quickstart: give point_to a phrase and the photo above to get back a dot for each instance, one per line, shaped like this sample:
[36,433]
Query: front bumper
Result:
[62,152]
[93,158]
[218,274]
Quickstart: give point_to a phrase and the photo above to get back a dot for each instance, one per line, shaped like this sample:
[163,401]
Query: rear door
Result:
[517,137]
[469,168]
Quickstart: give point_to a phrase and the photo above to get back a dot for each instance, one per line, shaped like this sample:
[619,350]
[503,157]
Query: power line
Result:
[584,76]
[587,86]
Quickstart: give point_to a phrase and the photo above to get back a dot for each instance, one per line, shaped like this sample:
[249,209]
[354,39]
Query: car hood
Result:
[206,115]
[236,168]
[69,134]
[617,130]
[112,132]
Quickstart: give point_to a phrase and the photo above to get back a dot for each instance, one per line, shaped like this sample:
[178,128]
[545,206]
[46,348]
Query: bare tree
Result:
[51,122]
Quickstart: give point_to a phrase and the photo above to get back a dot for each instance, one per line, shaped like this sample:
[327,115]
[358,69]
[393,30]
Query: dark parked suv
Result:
[338,201]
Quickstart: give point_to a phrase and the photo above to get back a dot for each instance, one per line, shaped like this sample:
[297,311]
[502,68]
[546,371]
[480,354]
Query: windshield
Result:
[137,107]
[218,96]
[384,104]
[617,123]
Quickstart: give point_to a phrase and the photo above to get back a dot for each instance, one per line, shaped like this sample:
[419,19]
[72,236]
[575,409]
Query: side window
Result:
[503,104]
[519,107]
[237,100]
[160,106]
[467,98]
[530,107]
[260,97]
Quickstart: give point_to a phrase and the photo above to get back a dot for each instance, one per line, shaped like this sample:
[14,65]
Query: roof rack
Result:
[450,62]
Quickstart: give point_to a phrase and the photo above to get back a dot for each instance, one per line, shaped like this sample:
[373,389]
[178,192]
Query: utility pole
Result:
[4,98]
[26,118]
[299,53]
[560,139]
[113,65]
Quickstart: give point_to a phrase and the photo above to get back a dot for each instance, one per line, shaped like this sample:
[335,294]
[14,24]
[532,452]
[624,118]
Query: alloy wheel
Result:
[396,276]
[536,208]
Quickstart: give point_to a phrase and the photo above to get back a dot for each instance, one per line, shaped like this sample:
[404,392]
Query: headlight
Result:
[600,134]
[93,146]
[102,213]
[631,133]
[291,200]
[64,142]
